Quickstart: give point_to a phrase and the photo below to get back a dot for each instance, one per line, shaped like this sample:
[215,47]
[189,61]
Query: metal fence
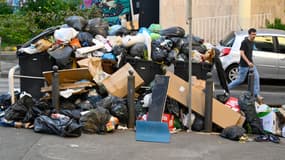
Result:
[213,29]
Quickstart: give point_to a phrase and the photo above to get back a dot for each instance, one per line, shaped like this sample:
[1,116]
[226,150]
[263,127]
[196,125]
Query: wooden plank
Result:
[69,86]
[69,75]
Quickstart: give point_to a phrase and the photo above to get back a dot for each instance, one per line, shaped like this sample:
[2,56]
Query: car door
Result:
[281,59]
[265,58]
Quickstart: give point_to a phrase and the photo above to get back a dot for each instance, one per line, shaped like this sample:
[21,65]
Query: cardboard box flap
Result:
[222,115]
[117,83]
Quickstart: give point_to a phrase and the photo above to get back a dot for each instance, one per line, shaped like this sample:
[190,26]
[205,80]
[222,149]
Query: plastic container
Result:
[111,125]
[33,65]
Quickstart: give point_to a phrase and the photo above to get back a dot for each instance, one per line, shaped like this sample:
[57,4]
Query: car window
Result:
[281,42]
[264,43]
[228,40]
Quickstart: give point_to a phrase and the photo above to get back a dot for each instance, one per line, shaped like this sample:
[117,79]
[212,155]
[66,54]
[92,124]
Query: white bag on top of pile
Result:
[115,40]
[85,50]
[65,34]
[105,42]
[129,40]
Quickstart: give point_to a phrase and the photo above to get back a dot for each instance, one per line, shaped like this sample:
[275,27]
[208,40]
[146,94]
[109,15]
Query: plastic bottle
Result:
[111,125]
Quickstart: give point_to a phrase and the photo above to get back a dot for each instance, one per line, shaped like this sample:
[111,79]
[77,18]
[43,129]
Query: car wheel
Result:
[232,72]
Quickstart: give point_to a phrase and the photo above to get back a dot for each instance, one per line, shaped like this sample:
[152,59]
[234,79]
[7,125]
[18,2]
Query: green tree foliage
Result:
[5,9]
[35,16]
[277,24]
[49,19]
[47,6]
[16,29]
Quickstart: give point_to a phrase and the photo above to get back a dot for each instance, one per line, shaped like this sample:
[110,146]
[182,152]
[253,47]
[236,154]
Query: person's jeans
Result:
[242,76]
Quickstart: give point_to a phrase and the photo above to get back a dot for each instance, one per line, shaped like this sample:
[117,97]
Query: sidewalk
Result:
[24,144]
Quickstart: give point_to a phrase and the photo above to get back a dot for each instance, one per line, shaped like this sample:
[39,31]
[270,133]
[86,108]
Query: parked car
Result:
[268,53]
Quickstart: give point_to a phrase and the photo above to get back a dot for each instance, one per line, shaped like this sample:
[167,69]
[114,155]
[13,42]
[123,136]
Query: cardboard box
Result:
[222,115]
[117,83]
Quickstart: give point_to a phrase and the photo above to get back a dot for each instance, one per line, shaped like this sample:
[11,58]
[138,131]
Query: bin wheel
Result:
[232,72]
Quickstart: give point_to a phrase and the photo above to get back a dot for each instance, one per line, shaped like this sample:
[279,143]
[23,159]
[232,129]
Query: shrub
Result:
[5,8]
[277,24]
[16,29]
[49,19]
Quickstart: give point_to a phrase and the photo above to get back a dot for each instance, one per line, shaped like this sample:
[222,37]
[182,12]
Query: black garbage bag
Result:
[118,50]
[62,127]
[85,105]
[139,109]
[178,42]
[123,31]
[94,99]
[158,54]
[5,101]
[198,124]
[63,56]
[106,102]
[173,32]
[85,39]
[77,22]
[95,121]
[74,114]
[172,107]
[233,133]
[252,123]
[171,57]
[101,90]
[68,105]
[158,51]
[138,50]
[22,110]
[182,57]
[197,44]
[120,110]
[201,49]
[97,26]
[223,97]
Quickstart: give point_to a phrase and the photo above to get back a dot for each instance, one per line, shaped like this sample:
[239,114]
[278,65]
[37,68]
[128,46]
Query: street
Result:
[25,144]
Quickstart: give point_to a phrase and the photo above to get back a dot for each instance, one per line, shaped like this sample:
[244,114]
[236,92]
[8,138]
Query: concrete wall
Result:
[173,12]
[275,7]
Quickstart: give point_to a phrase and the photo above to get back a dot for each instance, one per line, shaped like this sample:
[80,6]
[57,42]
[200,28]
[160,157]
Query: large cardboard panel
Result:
[117,83]
[222,115]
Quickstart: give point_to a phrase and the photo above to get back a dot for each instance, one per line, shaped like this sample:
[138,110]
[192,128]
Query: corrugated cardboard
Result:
[117,83]
[222,115]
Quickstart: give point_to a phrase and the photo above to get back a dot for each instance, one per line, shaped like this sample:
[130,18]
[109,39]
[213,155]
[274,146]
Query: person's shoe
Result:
[261,138]
[273,138]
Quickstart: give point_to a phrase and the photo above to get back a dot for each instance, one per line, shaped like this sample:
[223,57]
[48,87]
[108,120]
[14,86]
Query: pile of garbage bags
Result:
[104,49]
[80,38]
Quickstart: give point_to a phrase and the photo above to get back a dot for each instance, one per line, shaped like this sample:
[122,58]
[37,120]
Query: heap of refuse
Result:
[94,63]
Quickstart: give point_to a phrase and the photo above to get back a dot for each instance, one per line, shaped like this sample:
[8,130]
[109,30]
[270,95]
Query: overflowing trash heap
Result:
[94,61]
